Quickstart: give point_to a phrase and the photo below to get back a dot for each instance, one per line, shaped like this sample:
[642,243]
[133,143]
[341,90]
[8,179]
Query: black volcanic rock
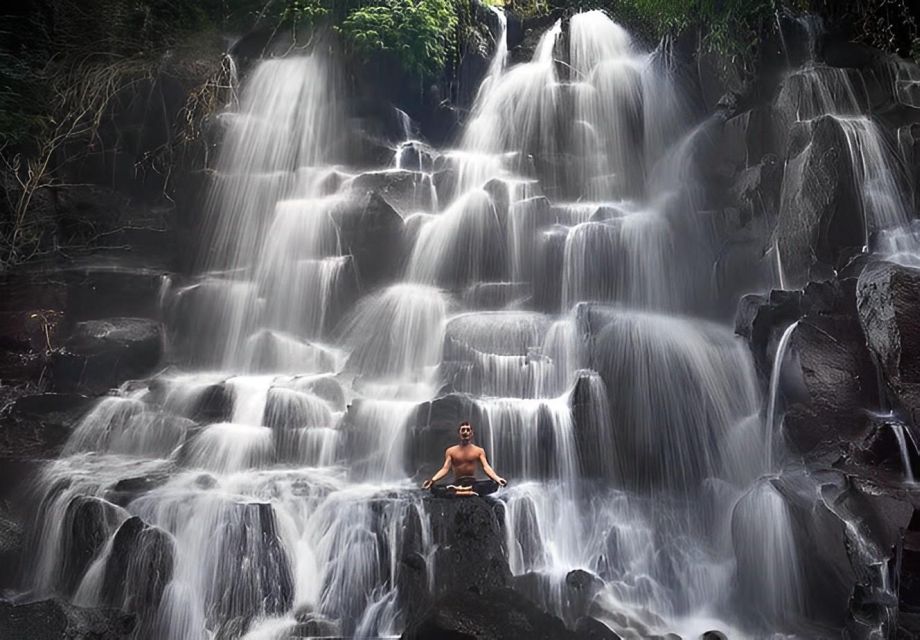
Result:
[139,568]
[470,557]
[819,214]
[370,230]
[88,524]
[37,426]
[833,383]
[496,614]
[103,353]
[55,620]
[889,311]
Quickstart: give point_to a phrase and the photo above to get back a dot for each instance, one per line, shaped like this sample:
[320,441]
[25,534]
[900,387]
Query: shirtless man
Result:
[462,458]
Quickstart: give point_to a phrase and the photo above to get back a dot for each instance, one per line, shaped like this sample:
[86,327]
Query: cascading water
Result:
[275,485]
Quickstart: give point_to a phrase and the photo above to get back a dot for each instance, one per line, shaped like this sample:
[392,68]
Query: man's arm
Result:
[489,470]
[443,471]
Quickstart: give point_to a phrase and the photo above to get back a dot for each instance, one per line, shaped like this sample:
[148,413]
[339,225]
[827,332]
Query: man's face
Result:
[466,433]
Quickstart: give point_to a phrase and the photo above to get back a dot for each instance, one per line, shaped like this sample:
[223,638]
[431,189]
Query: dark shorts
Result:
[481,487]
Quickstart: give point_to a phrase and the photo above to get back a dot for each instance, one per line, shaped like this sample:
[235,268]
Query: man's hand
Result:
[501,481]
[427,484]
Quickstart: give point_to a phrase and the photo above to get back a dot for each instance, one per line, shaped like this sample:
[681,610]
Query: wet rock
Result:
[54,620]
[329,389]
[908,580]
[88,524]
[831,382]
[405,191]
[117,289]
[139,568]
[819,215]
[471,538]
[713,635]
[311,624]
[881,450]
[371,231]
[253,576]
[11,548]
[889,312]
[233,629]
[470,556]
[587,628]
[101,354]
[497,614]
[756,190]
[126,490]
[37,426]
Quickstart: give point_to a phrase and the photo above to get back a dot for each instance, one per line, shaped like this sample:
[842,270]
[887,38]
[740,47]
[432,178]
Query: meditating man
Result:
[462,458]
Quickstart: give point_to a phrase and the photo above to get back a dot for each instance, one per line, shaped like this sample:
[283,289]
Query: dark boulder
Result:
[101,354]
[470,557]
[756,190]
[253,574]
[829,383]
[11,548]
[405,191]
[496,614]
[907,574]
[820,220]
[55,620]
[127,489]
[889,312]
[138,568]
[587,628]
[115,289]
[371,231]
[88,523]
[37,426]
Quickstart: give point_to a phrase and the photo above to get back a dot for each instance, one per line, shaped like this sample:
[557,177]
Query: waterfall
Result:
[548,275]
[775,376]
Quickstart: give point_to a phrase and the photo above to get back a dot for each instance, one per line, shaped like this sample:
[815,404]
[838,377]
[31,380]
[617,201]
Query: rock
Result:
[881,451]
[11,548]
[101,354]
[116,289]
[712,634]
[54,620]
[405,191]
[587,628]
[591,413]
[833,380]
[138,569]
[88,524]
[127,489]
[371,231]
[496,614]
[888,300]
[37,426]
[253,576]
[470,557]
[819,215]
[908,580]
[756,190]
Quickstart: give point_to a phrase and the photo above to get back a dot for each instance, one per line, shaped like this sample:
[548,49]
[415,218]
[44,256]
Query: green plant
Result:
[417,32]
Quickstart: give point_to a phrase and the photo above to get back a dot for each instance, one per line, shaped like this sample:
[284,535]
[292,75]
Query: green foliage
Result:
[417,32]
